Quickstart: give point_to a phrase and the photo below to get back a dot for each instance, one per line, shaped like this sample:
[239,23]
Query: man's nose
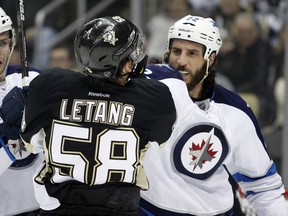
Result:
[182,59]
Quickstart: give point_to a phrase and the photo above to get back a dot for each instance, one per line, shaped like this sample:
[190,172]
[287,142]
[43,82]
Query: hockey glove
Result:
[11,112]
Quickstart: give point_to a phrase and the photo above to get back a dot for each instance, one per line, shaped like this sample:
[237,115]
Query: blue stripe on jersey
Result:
[243,178]
[144,212]
[251,193]
[12,158]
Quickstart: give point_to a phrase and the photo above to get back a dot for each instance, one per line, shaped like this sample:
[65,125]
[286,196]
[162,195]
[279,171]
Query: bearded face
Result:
[188,58]
[196,77]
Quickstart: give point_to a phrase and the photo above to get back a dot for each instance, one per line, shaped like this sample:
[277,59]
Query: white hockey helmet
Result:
[6,25]
[197,29]
[5,21]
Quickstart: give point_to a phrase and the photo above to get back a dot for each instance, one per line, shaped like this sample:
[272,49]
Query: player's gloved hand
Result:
[11,112]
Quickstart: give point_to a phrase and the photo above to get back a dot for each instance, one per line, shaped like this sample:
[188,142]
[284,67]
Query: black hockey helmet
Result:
[103,43]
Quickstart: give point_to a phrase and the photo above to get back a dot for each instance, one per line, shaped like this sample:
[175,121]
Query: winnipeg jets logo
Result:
[110,37]
[16,148]
[23,157]
[200,151]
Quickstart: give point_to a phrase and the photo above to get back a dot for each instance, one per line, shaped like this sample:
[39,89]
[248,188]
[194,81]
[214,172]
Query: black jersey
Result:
[94,135]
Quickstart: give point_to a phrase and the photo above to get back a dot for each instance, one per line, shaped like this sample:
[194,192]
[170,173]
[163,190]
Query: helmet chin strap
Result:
[206,73]
[9,58]
[122,74]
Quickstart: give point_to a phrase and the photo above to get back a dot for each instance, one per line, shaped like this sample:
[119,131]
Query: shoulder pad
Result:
[161,71]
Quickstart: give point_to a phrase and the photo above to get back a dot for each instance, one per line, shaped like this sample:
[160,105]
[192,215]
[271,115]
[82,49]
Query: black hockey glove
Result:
[11,112]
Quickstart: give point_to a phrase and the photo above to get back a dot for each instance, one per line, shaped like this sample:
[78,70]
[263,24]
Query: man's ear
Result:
[128,66]
[212,58]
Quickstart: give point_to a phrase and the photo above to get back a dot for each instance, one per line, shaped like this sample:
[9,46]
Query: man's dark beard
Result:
[197,77]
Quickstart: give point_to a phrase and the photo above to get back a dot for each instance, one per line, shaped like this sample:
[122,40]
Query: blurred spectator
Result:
[280,98]
[62,55]
[116,8]
[53,23]
[247,65]
[279,55]
[158,26]
[274,133]
[205,8]
[224,15]
[224,81]
[271,16]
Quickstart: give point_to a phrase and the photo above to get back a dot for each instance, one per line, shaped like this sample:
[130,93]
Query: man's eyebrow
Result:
[194,50]
[3,39]
[189,50]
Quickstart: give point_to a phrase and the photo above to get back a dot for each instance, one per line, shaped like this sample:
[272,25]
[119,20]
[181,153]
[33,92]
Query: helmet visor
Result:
[141,48]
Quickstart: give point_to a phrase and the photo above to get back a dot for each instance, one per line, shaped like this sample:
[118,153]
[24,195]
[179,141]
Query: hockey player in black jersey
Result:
[94,126]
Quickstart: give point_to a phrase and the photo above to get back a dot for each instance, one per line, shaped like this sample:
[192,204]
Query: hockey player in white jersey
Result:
[189,174]
[17,166]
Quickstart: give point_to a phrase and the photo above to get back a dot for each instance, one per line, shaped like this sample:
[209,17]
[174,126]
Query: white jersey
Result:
[188,176]
[16,183]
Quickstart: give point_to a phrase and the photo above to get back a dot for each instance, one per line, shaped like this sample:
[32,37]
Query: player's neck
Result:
[196,92]
[2,76]
[120,80]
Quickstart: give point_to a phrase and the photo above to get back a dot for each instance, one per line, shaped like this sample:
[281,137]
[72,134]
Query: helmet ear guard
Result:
[13,38]
[139,68]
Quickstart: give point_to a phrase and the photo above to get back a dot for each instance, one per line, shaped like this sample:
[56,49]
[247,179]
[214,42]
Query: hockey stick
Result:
[22,41]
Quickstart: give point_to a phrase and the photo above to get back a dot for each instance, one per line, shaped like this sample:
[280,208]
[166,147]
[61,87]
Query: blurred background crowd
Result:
[250,62]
